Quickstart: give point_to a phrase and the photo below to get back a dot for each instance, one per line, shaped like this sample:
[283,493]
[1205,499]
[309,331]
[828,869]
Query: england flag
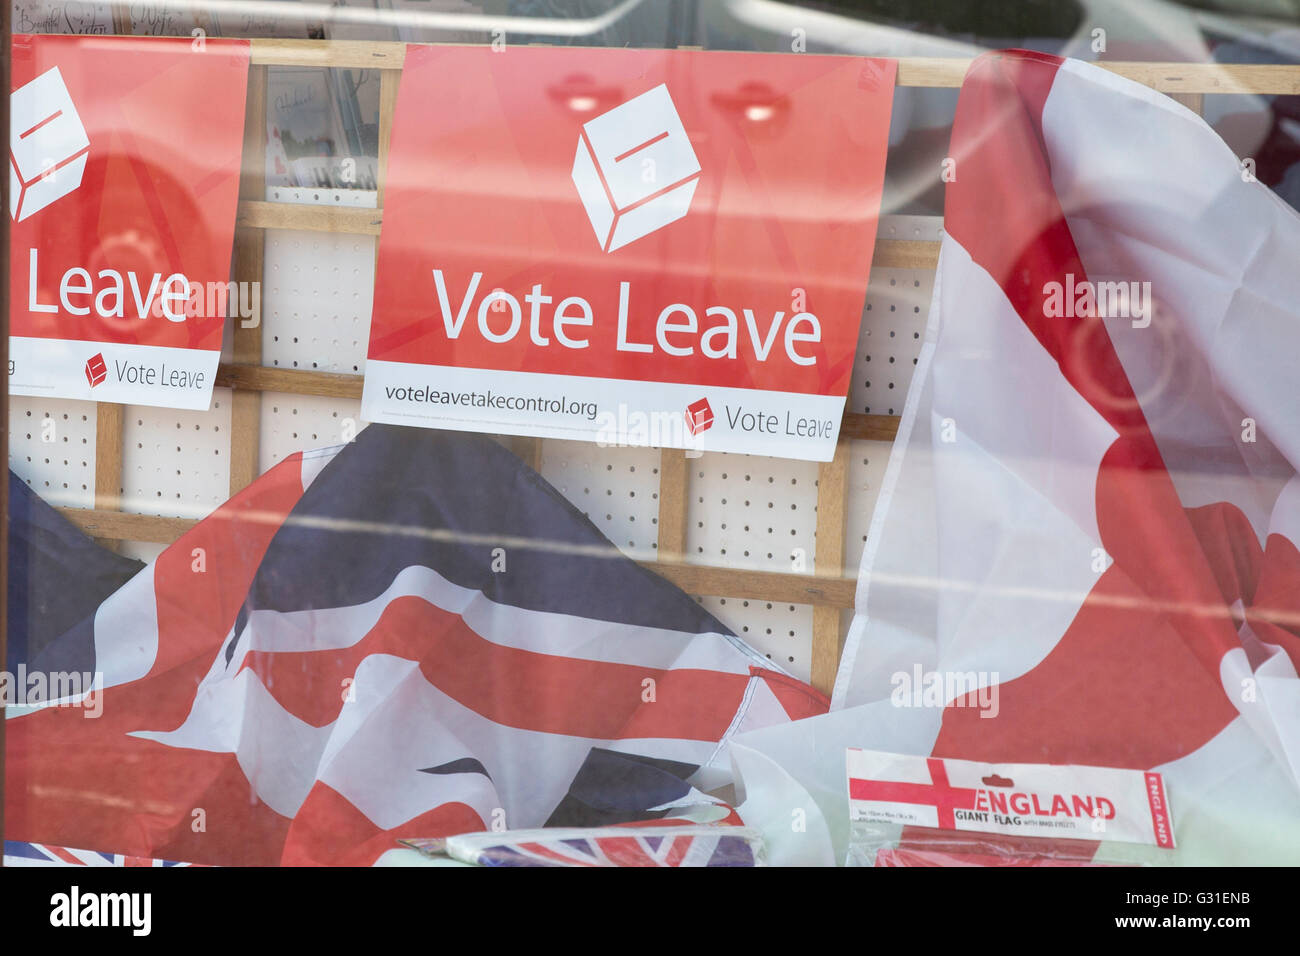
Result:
[1085,546]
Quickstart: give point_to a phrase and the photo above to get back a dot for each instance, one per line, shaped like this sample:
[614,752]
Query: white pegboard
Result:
[316,299]
[867,461]
[893,325]
[783,632]
[309,196]
[52,448]
[292,423]
[759,514]
[910,227]
[753,512]
[617,488]
[317,294]
[175,462]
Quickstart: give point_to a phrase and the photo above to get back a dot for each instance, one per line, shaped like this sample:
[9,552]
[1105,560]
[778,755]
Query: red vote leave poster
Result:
[634,247]
[124,178]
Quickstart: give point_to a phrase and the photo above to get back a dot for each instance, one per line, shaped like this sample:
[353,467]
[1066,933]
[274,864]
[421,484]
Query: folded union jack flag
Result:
[604,847]
[40,854]
[411,636]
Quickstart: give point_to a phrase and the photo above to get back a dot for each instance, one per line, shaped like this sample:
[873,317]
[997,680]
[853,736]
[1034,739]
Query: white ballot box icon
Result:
[48,145]
[635,169]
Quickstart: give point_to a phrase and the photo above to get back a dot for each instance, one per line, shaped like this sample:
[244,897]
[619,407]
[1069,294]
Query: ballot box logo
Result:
[635,169]
[48,145]
[96,369]
[699,416]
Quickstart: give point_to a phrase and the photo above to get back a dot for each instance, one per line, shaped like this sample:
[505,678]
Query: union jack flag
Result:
[710,845]
[44,854]
[412,635]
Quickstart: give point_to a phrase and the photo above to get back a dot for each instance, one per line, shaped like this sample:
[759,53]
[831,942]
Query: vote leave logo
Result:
[699,416]
[635,169]
[48,145]
[96,369]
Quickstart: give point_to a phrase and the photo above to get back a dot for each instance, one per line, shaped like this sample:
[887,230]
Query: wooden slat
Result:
[245,438]
[1166,77]
[674,482]
[773,586]
[1193,101]
[869,427]
[388,83]
[258,214]
[355,54]
[532,455]
[931,71]
[832,501]
[299,381]
[945,72]
[905,254]
[110,421]
[527,449]
[1282,79]
[122,526]
[889,253]
[250,244]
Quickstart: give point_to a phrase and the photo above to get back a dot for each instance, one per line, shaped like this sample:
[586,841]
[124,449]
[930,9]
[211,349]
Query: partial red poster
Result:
[633,247]
[124,177]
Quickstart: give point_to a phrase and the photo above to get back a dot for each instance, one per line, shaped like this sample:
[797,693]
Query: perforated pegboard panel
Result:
[312,196]
[783,632]
[176,462]
[749,511]
[317,289]
[867,461]
[293,423]
[893,323]
[757,513]
[910,227]
[617,488]
[52,448]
